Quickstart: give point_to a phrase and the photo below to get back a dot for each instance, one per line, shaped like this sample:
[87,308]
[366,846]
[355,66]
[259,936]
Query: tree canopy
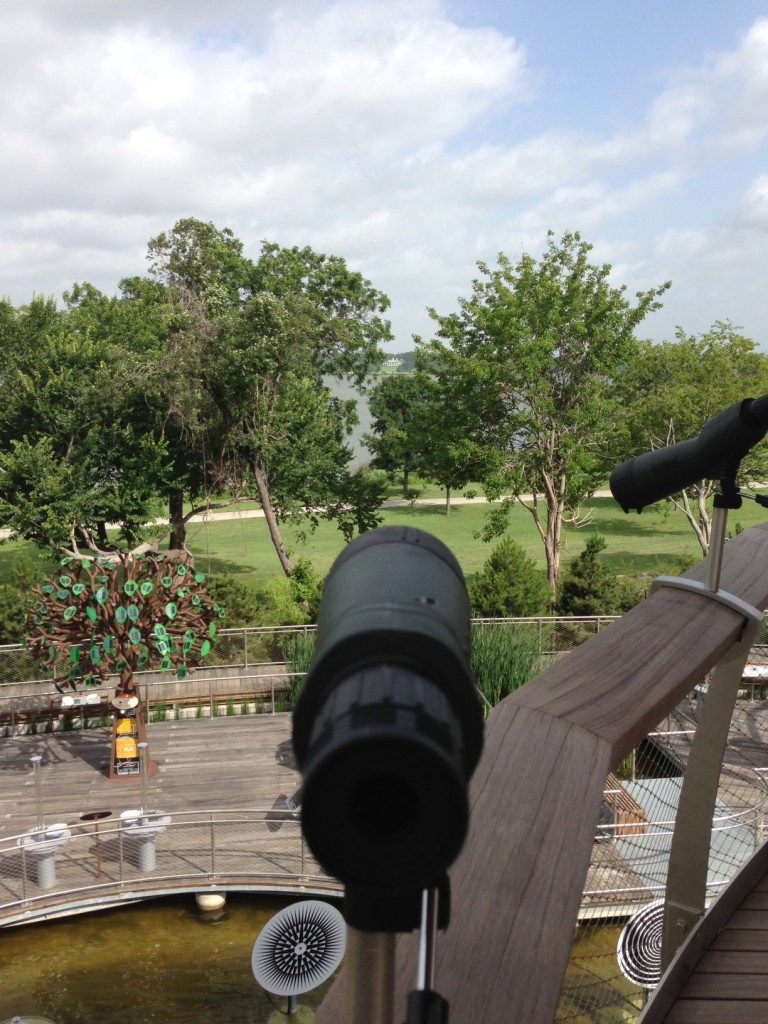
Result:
[209,376]
[535,351]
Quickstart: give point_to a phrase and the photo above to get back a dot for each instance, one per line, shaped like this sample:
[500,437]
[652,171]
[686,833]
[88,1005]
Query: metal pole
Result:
[716,545]
[143,770]
[36,759]
[369,978]
[427,939]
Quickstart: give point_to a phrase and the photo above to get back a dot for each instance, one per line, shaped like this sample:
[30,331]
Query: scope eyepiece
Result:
[388,728]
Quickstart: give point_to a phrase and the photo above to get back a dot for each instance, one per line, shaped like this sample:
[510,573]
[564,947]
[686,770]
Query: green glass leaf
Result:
[52,652]
[74,654]
[181,592]
[101,595]
[89,680]
[199,577]
[211,629]
[189,635]
[142,659]
[108,643]
[130,587]
[133,612]
[48,588]
[134,635]
[146,588]
[205,648]
[160,630]
[66,560]
[85,563]
[65,581]
[181,570]
[77,589]
[187,646]
[74,673]
[69,613]
[121,614]
[166,581]
[162,647]
[170,610]
[95,654]
[62,595]
[182,672]
[120,664]
[90,611]
[38,620]
[195,600]
[165,664]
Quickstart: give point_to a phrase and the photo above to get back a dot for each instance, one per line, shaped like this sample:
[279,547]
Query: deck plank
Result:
[721,1011]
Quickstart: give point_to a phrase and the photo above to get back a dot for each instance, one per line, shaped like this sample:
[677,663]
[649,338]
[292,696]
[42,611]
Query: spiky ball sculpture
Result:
[105,616]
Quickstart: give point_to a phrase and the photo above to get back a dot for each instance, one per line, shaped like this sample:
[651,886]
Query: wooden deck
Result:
[227,762]
[720,975]
[221,787]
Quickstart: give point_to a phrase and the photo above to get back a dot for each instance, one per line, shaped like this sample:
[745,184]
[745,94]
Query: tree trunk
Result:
[447,501]
[178,534]
[272,525]
[405,480]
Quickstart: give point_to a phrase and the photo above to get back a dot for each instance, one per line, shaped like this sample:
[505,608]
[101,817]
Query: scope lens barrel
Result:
[388,728]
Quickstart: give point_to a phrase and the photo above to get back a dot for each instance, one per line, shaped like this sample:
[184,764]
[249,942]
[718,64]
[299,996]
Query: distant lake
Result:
[361,455]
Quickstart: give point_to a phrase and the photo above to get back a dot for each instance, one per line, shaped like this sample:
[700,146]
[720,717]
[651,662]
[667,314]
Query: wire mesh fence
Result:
[630,856]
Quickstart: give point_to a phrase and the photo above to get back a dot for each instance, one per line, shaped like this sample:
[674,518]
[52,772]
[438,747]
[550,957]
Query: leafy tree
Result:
[449,452]
[248,368]
[395,403]
[73,454]
[509,584]
[671,389]
[536,349]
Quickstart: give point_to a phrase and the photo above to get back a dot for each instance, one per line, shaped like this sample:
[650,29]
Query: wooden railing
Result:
[536,794]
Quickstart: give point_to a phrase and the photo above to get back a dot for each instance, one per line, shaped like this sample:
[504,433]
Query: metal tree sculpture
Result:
[104,616]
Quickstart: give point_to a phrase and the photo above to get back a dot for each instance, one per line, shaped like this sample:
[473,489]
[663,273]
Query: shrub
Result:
[509,584]
[13,607]
[589,587]
[290,600]
[238,601]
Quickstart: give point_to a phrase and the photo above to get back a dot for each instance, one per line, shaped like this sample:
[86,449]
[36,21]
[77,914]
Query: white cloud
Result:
[382,131]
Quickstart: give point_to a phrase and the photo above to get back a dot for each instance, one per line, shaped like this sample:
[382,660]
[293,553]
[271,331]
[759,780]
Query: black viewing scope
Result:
[388,726]
[721,444]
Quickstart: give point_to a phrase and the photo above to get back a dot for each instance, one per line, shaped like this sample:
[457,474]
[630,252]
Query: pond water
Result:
[162,961]
[166,962]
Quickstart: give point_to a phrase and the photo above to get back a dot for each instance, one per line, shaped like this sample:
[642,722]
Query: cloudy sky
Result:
[411,137]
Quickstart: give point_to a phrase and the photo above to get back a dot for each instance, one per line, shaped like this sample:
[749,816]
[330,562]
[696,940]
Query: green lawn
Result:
[645,543]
